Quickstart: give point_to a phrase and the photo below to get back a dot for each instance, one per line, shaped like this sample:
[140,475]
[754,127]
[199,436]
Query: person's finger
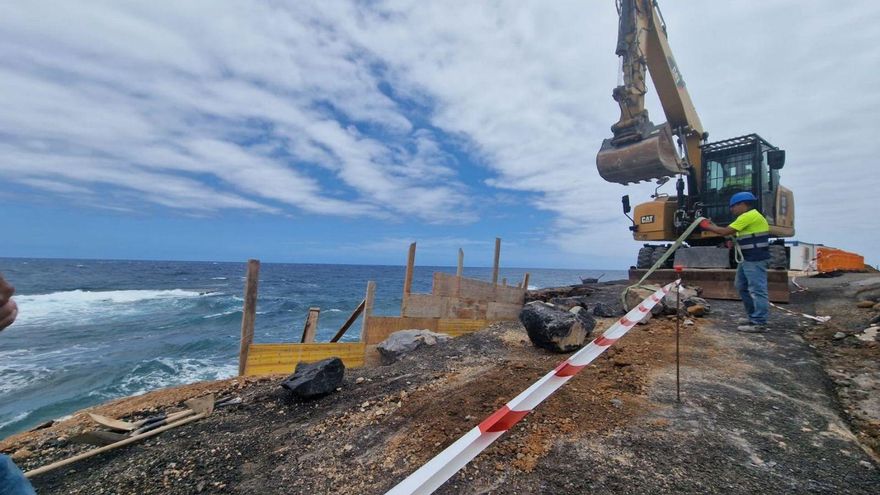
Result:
[7,319]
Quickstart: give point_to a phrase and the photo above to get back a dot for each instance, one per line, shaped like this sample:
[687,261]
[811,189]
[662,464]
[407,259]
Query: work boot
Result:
[743,321]
[752,328]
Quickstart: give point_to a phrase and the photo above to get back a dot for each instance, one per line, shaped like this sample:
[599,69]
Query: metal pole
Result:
[679,270]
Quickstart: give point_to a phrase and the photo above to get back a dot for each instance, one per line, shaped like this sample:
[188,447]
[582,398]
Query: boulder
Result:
[877,307]
[406,341]
[312,380]
[668,301]
[696,310]
[567,303]
[697,301]
[865,304]
[636,295]
[875,320]
[604,310]
[554,329]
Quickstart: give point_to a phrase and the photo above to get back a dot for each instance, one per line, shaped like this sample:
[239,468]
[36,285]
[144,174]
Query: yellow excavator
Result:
[707,174]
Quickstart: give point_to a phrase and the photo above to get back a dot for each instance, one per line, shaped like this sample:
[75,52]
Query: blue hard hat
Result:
[742,196]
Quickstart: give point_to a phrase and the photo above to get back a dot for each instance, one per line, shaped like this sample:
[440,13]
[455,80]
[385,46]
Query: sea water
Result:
[92,330]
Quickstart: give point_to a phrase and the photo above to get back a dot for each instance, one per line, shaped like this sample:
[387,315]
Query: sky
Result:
[341,131]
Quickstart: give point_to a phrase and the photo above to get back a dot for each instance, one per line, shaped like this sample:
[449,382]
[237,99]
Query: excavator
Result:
[706,173]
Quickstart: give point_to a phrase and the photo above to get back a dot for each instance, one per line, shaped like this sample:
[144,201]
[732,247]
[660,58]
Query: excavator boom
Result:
[638,149]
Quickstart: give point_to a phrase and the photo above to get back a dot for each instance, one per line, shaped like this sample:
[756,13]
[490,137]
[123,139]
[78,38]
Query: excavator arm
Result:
[638,149]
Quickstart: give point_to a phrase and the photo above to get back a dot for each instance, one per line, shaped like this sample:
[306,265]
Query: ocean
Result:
[93,330]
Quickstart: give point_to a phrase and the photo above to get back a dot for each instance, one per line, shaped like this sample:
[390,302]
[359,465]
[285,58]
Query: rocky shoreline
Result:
[791,411]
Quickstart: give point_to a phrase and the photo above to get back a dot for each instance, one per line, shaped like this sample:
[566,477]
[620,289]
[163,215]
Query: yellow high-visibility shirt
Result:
[750,222]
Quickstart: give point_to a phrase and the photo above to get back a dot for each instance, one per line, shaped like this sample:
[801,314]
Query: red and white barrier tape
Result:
[820,319]
[445,464]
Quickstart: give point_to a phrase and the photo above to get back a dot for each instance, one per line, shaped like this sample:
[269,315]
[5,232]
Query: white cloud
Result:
[243,112]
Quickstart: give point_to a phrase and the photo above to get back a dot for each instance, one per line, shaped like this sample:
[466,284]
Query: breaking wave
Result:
[55,305]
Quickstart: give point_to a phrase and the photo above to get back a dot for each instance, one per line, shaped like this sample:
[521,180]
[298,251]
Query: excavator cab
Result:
[745,163]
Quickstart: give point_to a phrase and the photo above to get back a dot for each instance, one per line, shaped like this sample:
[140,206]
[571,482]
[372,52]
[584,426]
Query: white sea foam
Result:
[15,378]
[218,278]
[225,313]
[77,303]
[15,419]
[170,372]
[334,310]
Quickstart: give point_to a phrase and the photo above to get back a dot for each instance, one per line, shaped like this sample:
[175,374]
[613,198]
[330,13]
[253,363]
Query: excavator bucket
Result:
[652,157]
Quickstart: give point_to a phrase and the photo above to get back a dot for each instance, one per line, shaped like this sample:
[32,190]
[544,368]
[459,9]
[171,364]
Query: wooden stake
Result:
[249,313]
[525,282]
[311,326]
[368,308]
[497,259]
[504,281]
[408,276]
[349,321]
[460,269]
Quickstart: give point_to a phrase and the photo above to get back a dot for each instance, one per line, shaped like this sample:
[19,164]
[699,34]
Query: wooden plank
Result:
[525,282]
[380,327]
[311,326]
[429,306]
[408,276]
[497,260]
[425,306]
[249,313]
[357,312]
[265,359]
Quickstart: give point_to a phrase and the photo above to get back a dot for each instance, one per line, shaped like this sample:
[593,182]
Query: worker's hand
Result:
[8,308]
[705,224]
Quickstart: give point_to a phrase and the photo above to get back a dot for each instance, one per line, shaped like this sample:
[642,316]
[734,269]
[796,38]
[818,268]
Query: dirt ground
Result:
[758,413]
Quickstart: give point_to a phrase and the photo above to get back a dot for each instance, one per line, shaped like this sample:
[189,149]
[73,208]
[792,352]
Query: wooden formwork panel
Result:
[378,328]
[448,285]
[502,311]
[430,306]
[268,359]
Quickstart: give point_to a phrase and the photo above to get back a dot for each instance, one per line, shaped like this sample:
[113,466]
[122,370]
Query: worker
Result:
[12,481]
[753,238]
